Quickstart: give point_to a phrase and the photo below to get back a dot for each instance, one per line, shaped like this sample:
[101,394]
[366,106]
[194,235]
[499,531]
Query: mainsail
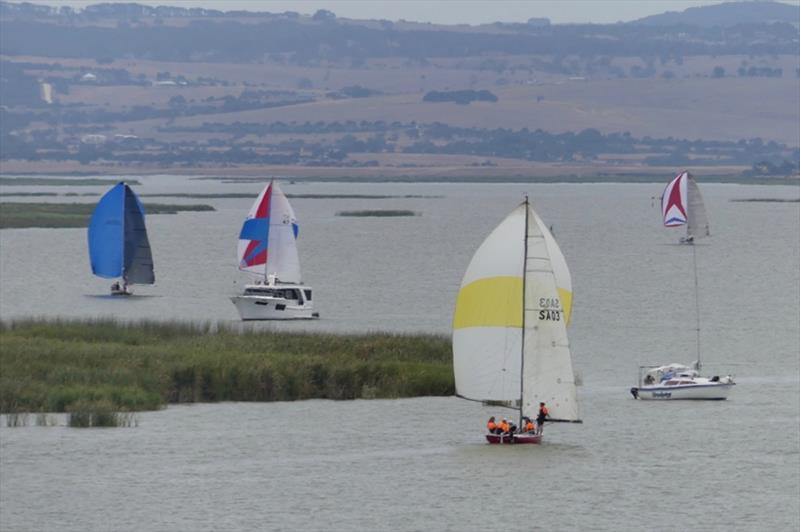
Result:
[682,204]
[267,239]
[118,243]
[509,328]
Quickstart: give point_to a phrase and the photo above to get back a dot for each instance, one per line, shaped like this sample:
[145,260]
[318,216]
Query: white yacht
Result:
[676,381]
[268,251]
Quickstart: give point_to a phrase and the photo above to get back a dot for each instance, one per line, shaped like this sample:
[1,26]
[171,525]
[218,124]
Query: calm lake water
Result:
[420,464]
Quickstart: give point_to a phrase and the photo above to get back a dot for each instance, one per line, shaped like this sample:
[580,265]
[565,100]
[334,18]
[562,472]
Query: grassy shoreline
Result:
[58,366]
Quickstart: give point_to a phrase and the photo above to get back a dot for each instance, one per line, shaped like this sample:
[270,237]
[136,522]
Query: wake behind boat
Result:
[682,204]
[267,249]
[510,345]
[118,243]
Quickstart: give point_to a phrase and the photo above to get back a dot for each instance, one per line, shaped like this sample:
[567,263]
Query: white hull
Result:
[267,308]
[712,391]
[275,301]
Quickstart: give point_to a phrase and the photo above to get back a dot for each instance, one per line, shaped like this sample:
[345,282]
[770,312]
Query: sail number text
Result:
[550,309]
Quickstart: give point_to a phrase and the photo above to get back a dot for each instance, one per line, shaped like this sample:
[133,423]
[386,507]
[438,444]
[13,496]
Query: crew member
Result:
[527,425]
[543,414]
[491,426]
[504,427]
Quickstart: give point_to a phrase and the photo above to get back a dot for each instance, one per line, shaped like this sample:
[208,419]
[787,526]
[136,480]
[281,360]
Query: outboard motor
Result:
[635,392]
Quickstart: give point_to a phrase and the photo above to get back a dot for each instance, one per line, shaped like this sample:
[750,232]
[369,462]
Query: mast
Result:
[522,342]
[122,226]
[696,304]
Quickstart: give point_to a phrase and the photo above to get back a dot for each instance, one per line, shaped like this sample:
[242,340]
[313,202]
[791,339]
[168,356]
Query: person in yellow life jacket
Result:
[541,416]
[491,426]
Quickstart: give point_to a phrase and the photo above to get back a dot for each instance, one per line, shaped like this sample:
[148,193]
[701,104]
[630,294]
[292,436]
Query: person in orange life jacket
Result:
[492,426]
[505,428]
[543,414]
[527,425]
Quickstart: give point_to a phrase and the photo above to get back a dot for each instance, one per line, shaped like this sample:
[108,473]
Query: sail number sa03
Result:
[550,309]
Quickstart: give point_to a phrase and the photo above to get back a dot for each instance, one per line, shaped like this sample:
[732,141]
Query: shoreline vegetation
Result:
[83,178]
[25,181]
[96,368]
[377,213]
[66,215]
[766,200]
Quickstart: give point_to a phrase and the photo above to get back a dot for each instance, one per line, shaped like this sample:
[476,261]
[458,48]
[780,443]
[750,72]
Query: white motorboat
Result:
[272,300]
[676,381]
[268,250]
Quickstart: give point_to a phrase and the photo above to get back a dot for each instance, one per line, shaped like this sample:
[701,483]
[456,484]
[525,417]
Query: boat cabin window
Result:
[308,294]
[671,383]
[259,291]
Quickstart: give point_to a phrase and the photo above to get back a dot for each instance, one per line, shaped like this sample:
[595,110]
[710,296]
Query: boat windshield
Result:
[284,293]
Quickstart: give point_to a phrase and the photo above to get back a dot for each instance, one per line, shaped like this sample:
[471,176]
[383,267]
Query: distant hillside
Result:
[728,14]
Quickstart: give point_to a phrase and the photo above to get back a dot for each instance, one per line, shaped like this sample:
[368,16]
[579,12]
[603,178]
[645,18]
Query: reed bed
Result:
[22,215]
[377,213]
[66,181]
[94,368]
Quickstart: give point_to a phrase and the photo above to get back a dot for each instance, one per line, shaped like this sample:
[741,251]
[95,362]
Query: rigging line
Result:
[696,305]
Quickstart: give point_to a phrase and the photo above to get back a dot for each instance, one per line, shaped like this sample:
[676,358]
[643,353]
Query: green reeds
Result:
[57,366]
[377,213]
[20,215]
[67,182]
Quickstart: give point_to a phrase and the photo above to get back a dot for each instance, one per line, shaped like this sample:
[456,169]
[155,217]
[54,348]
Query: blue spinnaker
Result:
[118,244]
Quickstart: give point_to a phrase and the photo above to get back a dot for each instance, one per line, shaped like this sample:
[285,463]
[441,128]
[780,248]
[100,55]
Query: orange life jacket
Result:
[529,426]
[491,425]
[504,426]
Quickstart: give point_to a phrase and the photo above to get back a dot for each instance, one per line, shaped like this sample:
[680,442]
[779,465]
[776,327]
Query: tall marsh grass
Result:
[63,366]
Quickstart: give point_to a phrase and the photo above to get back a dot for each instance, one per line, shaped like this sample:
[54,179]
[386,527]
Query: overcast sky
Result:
[442,11]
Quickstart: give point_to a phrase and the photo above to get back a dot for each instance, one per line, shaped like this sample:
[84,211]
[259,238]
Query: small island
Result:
[378,213]
[62,215]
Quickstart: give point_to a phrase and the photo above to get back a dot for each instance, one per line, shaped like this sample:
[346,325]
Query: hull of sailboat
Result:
[514,438]
[707,392]
[270,308]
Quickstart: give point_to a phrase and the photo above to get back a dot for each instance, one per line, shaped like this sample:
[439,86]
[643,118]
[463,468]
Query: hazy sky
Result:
[442,11]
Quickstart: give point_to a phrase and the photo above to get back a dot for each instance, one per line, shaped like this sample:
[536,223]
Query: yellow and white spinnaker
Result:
[509,328]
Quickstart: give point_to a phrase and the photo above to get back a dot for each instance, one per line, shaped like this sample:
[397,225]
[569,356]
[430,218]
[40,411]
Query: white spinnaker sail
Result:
[487,323]
[282,258]
[697,224]
[547,364]
[267,239]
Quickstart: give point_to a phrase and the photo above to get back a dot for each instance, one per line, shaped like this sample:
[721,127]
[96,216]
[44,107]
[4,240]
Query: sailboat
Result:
[682,204]
[510,345]
[118,244]
[268,251]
